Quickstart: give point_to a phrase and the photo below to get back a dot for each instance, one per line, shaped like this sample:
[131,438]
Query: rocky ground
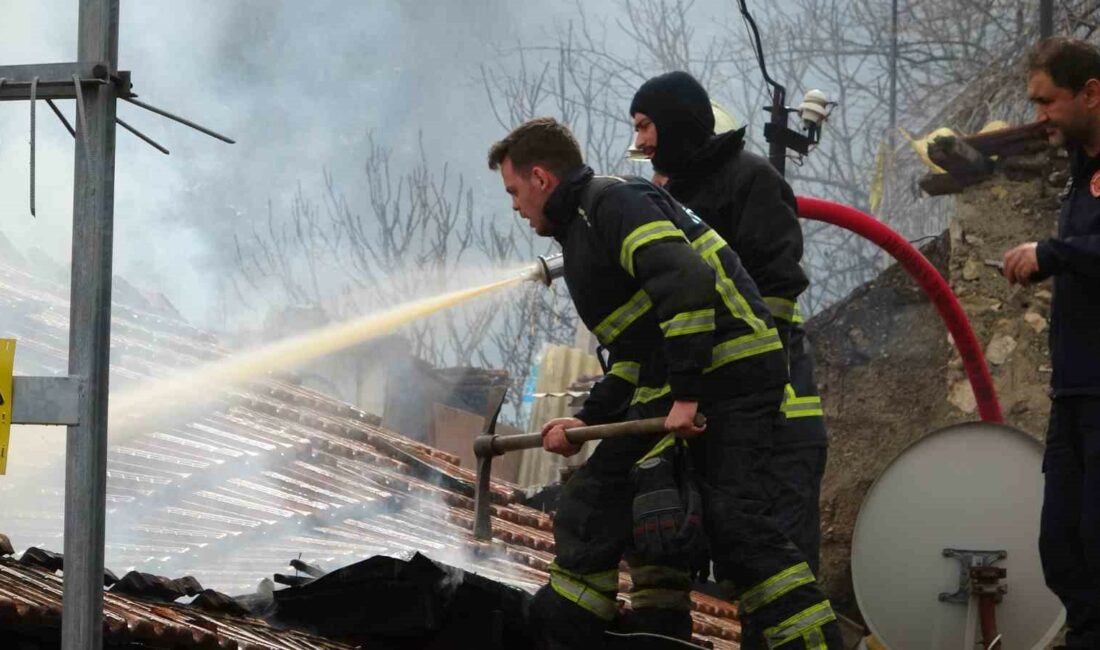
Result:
[888,372]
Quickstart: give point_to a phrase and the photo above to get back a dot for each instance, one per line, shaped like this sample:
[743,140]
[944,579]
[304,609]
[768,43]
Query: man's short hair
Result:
[1069,62]
[542,141]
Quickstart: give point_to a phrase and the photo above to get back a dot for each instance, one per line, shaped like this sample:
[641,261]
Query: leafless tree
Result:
[419,228]
[958,65]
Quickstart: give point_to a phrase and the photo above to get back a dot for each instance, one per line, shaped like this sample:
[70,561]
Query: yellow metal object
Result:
[7,365]
[723,121]
[920,145]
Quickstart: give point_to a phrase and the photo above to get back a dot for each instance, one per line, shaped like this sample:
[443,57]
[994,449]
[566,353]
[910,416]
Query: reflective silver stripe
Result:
[776,586]
[662,444]
[627,371]
[600,580]
[708,243]
[783,308]
[689,322]
[800,407]
[723,353]
[643,235]
[799,624]
[735,302]
[620,319]
[645,394]
[577,592]
[815,640]
[744,346]
[661,598]
[803,407]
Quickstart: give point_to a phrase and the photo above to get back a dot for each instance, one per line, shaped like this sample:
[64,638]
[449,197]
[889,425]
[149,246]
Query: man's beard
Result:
[1057,138]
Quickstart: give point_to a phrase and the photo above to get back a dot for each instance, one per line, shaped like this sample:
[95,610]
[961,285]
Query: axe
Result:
[489,444]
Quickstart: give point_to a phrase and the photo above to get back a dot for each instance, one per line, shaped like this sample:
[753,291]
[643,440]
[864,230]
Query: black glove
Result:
[668,509]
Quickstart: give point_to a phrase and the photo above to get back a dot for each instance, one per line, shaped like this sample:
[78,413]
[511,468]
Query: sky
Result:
[298,85]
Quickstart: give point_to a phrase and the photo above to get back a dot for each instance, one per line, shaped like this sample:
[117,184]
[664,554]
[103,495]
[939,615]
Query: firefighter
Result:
[746,201]
[1064,84]
[686,332]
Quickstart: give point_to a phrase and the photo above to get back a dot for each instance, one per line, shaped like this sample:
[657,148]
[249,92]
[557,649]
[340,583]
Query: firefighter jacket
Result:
[664,294]
[746,201]
[1073,258]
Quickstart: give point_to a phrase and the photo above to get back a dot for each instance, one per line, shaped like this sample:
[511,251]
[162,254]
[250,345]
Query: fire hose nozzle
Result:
[549,268]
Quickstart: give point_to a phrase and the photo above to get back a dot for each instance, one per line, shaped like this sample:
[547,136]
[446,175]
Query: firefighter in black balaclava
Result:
[749,204]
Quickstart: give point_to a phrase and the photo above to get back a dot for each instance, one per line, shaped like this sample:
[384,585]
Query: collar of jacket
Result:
[711,156]
[561,205]
[1081,165]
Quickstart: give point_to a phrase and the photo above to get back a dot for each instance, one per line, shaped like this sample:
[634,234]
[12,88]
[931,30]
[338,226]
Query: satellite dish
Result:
[963,493]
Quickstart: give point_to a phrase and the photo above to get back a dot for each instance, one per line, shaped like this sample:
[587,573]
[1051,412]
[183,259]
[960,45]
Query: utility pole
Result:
[90,333]
[777,148]
[79,400]
[893,69]
[1046,18]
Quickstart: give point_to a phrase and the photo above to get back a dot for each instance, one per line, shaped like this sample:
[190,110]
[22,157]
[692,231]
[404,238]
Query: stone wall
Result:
[888,372]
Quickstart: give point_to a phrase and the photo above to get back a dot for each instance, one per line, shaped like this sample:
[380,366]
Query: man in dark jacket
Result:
[746,201]
[1064,84]
[686,332]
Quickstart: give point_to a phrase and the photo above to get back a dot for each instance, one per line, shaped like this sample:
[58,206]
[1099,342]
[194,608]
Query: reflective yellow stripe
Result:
[585,597]
[643,235]
[659,598]
[800,624]
[600,580]
[689,322]
[708,243]
[744,346]
[627,371]
[783,308]
[815,640]
[801,407]
[646,394]
[736,349]
[620,319]
[735,302]
[662,445]
[776,586]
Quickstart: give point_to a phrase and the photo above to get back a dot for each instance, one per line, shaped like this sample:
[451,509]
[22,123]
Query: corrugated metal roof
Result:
[559,368]
[30,601]
[269,473]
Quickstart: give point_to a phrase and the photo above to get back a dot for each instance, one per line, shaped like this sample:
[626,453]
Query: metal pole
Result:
[893,69]
[1046,18]
[89,335]
[777,150]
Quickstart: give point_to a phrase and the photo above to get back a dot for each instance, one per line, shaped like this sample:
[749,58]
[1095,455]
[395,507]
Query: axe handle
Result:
[497,445]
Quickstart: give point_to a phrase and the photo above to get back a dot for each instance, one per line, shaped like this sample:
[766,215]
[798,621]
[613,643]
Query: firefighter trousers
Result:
[799,453]
[1069,533]
[781,605]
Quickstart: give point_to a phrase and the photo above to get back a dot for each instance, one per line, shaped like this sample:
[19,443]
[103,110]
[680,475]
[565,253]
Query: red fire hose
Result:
[929,279]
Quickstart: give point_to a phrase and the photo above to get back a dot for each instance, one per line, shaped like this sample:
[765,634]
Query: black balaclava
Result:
[680,108]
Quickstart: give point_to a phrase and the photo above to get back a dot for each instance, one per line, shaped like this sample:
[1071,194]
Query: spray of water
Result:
[201,384]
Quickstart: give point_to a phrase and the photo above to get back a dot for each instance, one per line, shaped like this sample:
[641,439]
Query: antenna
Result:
[814,110]
[945,550]
[80,399]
